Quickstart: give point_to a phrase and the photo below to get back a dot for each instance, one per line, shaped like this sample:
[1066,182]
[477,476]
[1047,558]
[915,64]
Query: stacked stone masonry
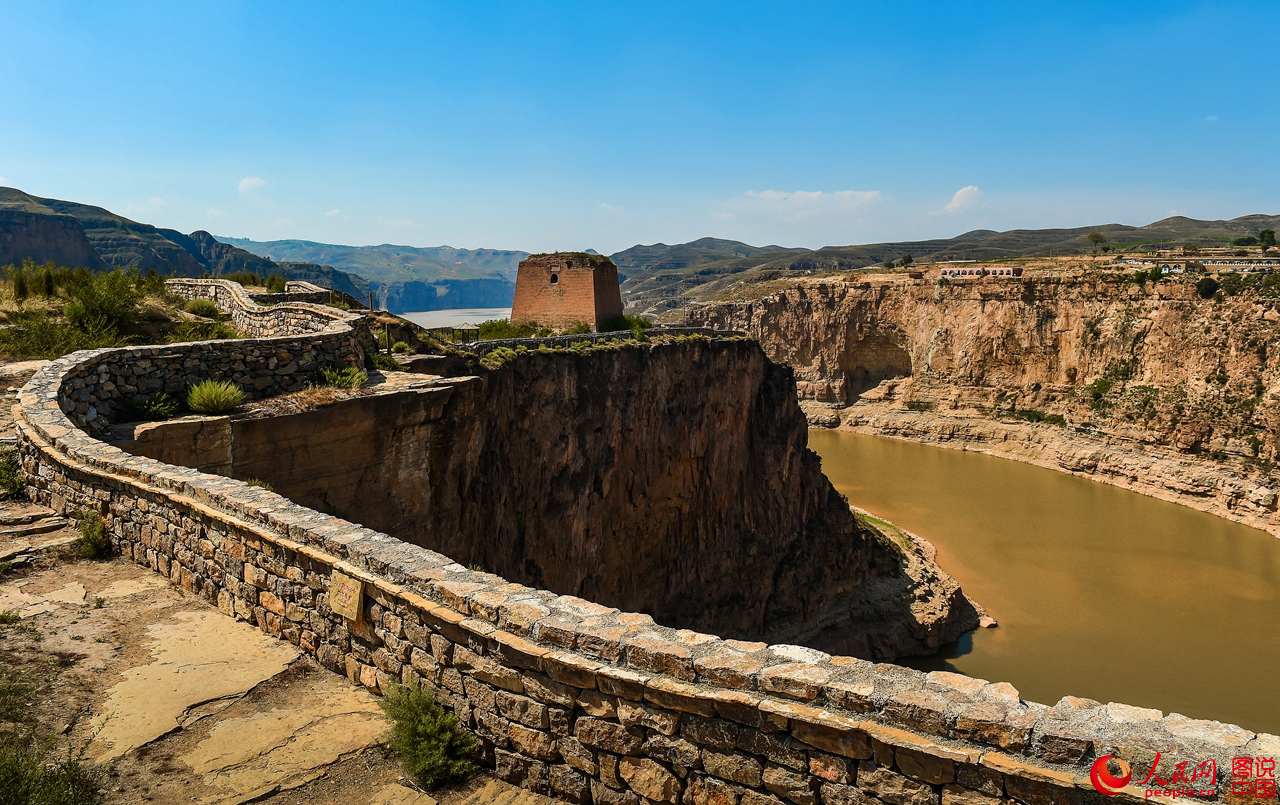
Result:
[572,699]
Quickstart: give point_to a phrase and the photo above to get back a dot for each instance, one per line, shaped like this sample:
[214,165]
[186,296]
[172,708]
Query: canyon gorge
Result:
[1146,385]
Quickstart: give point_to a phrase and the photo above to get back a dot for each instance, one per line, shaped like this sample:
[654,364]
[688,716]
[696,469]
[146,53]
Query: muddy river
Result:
[1099,592]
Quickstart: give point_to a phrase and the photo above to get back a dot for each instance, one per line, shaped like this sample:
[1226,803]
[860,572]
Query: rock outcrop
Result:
[565,471]
[1121,372]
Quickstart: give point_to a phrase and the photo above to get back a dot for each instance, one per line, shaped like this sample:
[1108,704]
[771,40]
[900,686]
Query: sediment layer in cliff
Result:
[672,479]
[1112,369]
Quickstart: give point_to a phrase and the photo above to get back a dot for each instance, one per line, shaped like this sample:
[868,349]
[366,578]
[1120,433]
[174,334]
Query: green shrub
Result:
[348,377]
[48,288]
[21,288]
[1032,415]
[8,617]
[385,362]
[496,358]
[30,774]
[636,324]
[496,329]
[156,407]
[919,405]
[401,347]
[214,397]
[187,331]
[36,334]
[243,277]
[93,542]
[1207,287]
[202,307]
[257,483]
[432,747]
[275,283]
[11,481]
[106,300]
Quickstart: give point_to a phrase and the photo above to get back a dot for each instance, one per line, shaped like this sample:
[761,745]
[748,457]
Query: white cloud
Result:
[250,183]
[334,213]
[796,205]
[963,199]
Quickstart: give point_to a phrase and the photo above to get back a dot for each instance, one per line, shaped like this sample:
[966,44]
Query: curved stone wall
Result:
[572,698]
[296,312]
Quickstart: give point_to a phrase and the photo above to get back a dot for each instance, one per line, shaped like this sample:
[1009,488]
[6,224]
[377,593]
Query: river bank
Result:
[1227,487]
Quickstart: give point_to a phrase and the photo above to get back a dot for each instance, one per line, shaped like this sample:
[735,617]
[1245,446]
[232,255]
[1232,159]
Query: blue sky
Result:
[572,125]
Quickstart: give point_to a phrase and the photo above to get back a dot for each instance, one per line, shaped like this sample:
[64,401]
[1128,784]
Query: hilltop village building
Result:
[1188,265]
[972,271]
[566,288]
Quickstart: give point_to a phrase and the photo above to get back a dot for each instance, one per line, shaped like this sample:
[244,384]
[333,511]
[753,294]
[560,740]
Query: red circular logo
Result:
[1105,780]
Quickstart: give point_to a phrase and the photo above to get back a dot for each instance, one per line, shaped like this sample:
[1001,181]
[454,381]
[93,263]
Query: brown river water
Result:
[1099,592]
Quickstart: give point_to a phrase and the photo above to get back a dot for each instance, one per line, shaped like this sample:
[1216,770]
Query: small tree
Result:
[431,745]
[1267,238]
[21,288]
[1207,287]
[1097,239]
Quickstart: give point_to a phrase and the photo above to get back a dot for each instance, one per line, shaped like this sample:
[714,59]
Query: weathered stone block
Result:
[790,785]
[607,735]
[649,779]
[733,767]
[893,787]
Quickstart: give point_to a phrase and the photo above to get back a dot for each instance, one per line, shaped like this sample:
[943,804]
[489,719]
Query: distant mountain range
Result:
[661,277]
[655,278]
[388,263]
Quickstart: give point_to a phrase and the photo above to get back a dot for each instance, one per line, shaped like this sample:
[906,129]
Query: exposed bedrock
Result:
[1165,393]
[671,479]
[1153,362]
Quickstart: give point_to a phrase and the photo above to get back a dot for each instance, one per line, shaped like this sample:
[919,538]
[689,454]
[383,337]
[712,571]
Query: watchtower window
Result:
[555,278]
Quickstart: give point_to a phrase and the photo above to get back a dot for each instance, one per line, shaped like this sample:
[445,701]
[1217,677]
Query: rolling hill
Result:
[74,234]
[388,263]
[660,277]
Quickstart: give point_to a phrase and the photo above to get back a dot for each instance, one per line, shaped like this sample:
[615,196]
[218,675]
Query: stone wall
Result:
[99,384]
[579,700]
[256,320]
[619,476]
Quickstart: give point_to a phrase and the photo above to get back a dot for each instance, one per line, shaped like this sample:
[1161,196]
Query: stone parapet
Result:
[264,315]
[570,698]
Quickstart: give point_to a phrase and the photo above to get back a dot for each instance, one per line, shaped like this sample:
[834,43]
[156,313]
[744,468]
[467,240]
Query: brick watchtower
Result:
[566,288]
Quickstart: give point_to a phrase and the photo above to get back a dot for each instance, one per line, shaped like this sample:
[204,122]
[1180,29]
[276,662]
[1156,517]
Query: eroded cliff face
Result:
[1155,362]
[1144,376]
[670,479]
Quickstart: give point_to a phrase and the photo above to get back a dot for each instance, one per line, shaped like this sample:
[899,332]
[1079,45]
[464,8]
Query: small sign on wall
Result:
[346,595]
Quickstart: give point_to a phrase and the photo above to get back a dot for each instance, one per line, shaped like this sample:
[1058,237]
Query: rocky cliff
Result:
[1142,367]
[671,479]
